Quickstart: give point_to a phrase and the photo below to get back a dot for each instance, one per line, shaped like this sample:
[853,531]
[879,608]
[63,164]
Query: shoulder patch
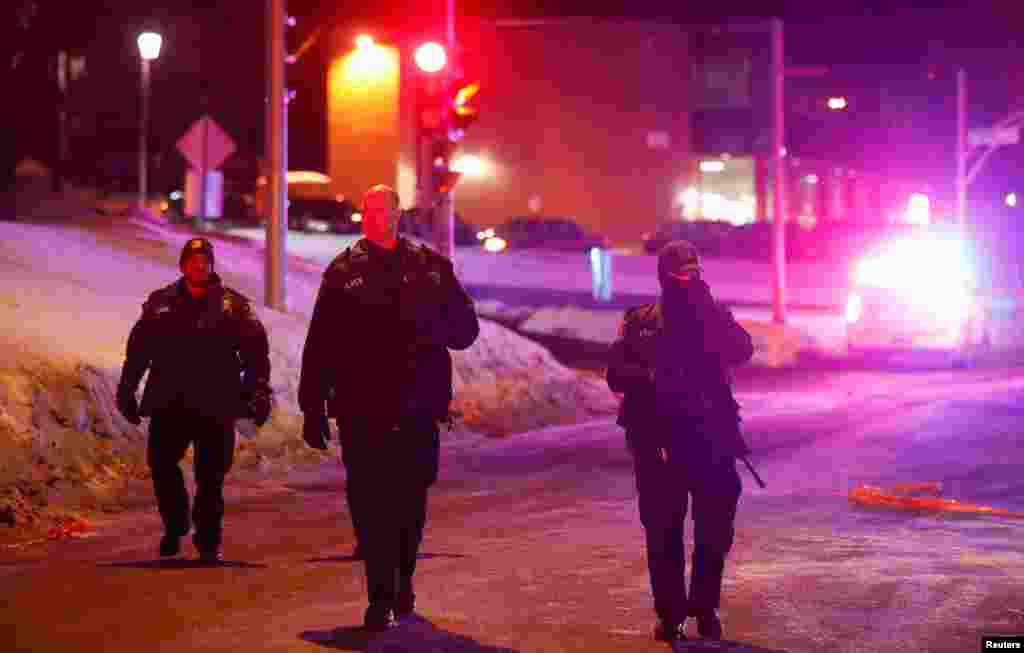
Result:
[353,283]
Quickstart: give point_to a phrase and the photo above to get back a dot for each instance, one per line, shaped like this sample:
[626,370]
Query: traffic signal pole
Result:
[276,155]
[444,203]
[779,175]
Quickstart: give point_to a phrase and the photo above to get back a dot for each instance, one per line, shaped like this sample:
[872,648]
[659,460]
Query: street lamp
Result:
[149,49]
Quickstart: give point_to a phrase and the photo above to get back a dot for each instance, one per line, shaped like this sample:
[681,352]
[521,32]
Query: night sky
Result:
[213,60]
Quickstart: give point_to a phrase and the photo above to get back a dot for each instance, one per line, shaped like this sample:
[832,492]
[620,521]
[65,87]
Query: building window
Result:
[723,84]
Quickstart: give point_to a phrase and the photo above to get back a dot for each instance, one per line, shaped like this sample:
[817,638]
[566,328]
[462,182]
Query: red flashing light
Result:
[431,57]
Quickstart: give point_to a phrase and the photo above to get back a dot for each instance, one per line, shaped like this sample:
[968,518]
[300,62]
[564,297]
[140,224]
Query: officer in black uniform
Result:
[671,361]
[208,361]
[376,359]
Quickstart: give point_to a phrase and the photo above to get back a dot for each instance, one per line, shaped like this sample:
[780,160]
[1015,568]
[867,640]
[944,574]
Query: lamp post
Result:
[149,49]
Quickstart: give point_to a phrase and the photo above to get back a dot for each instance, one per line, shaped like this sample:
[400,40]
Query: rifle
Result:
[753,472]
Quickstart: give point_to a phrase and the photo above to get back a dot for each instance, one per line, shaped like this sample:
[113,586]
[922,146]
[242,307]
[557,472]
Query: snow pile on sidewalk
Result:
[774,345]
[69,294]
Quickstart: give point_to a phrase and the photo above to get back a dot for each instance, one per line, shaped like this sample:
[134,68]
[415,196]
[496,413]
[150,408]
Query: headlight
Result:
[495,244]
[952,307]
[854,308]
[922,264]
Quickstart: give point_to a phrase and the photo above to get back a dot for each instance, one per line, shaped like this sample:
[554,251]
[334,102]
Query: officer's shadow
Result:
[182,563]
[412,634]
[419,556]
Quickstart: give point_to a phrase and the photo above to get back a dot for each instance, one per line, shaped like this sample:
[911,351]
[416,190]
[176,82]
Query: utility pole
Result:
[779,174]
[444,203]
[961,147]
[276,155]
[143,137]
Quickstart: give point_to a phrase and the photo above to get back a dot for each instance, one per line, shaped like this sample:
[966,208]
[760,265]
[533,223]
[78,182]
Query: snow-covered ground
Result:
[69,293]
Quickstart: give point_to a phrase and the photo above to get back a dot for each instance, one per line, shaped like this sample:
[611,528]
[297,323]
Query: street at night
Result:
[277,277]
[534,543]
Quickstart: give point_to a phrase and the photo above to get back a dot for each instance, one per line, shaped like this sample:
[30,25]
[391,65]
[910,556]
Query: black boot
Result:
[170,545]
[669,631]
[405,604]
[211,556]
[709,626]
[378,618]
[208,548]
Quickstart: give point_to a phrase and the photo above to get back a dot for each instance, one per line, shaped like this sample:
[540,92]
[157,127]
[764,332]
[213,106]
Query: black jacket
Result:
[377,348]
[693,390]
[204,355]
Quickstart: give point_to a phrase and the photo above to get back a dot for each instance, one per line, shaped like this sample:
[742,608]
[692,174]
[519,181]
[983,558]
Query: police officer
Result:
[671,362]
[208,361]
[376,359]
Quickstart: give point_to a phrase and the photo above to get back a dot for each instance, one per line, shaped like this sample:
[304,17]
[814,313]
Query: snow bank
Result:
[69,294]
[774,345]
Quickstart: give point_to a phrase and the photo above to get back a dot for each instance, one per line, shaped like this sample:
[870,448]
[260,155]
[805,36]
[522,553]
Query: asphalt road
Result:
[534,544]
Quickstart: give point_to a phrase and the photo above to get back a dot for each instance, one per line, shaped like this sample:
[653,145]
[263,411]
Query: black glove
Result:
[315,431]
[260,407]
[128,406]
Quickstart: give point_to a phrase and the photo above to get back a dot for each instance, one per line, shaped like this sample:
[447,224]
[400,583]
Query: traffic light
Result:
[431,57]
[464,108]
[443,177]
[431,99]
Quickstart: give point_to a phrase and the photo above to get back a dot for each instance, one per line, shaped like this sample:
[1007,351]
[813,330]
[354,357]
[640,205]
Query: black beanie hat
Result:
[676,257]
[196,246]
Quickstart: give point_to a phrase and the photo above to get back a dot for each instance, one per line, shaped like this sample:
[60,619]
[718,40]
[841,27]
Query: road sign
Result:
[206,144]
[993,136]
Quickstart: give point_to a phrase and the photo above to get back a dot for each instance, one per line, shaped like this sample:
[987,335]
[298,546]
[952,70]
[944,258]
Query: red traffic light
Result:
[431,57]
[464,109]
[463,102]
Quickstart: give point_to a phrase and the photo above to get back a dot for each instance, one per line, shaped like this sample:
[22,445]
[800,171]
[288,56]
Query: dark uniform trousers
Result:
[664,489]
[389,470]
[213,439]
[349,460]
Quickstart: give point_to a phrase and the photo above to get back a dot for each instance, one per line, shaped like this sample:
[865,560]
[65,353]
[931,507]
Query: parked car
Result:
[414,223]
[708,236]
[237,210]
[323,216]
[554,233]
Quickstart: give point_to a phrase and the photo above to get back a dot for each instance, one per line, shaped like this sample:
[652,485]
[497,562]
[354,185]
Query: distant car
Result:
[237,210]
[323,216]
[918,292]
[537,232]
[706,235]
[413,223]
